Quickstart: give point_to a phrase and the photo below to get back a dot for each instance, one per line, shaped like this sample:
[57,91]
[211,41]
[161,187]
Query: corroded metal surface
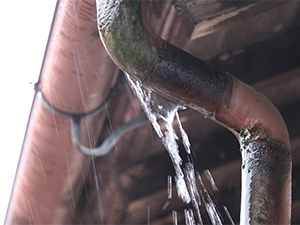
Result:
[182,77]
[266,170]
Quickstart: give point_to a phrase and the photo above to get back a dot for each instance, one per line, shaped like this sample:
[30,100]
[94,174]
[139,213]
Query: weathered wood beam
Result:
[248,25]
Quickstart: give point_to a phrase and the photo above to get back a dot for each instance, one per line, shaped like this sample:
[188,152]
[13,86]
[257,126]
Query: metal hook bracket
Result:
[108,144]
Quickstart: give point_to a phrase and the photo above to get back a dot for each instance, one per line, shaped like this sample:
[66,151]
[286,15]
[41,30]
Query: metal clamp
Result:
[109,142]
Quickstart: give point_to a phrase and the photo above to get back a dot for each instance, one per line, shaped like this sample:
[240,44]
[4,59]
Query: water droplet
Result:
[169,187]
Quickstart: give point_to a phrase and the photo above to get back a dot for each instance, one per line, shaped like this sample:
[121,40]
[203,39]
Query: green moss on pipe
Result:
[120,23]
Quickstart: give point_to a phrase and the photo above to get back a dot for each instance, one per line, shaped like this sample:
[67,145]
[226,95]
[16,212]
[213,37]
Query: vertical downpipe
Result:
[185,79]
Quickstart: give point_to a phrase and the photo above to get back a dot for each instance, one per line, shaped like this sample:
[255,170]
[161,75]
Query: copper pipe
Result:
[185,79]
[76,76]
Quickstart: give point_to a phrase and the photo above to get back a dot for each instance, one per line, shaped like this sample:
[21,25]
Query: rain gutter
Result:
[185,79]
[76,77]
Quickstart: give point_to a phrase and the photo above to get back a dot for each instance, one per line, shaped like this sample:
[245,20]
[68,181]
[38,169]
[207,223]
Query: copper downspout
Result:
[183,78]
[76,76]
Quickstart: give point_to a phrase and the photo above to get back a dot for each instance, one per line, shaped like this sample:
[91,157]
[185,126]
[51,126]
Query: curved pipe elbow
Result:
[185,79]
[181,77]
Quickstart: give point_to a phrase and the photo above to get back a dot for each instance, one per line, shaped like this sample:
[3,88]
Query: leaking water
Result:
[174,215]
[162,113]
[169,187]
